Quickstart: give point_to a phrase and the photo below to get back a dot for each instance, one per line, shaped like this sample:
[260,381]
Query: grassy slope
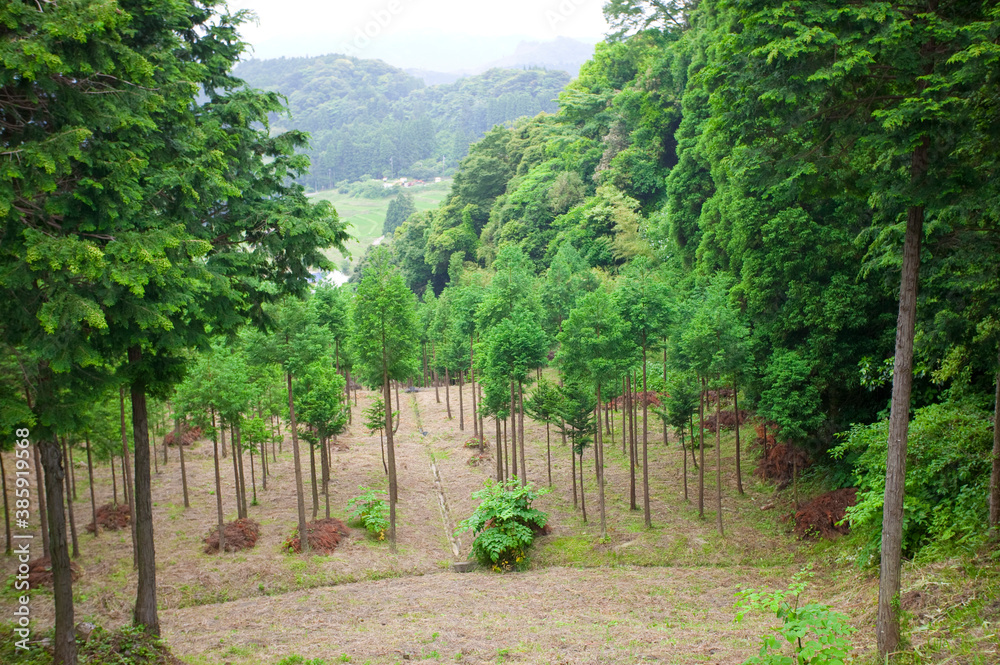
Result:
[367,215]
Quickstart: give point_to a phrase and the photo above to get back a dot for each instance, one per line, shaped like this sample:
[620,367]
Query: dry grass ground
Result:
[661,595]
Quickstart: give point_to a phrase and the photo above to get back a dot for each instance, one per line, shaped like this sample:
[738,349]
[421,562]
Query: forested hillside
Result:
[368,118]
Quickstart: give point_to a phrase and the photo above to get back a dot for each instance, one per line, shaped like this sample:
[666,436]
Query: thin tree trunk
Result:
[381,443]
[599,466]
[145,601]
[887,624]
[238,452]
[631,446]
[6,507]
[718,458]
[520,434]
[548,452]
[701,451]
[90,477]
[178,439]
[253,480]
[572,457]
[392,455]
[684,460]
[42,510]
[127,488]
[347,387]
[482,433]
[312,479]
[399,409]
[499,450]
[423,350]
[513,429]
[461,401]
[625,411]
[583,499]
[325,462]
[472,380]
[506,453]
[69,502]
[72,471]
[62,577]
[114,482]
[645,440]
[434,374]
[218,485]
[447,392]
[236,474]
[299,496]
[995,471]
[736,419]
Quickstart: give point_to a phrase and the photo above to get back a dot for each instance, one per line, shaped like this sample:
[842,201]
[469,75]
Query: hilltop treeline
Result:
[368,118]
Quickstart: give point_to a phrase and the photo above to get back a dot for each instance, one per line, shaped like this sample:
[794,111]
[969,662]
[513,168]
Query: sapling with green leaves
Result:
[504,524]
[577,420]
[371,510]
[375,421]
[543,406]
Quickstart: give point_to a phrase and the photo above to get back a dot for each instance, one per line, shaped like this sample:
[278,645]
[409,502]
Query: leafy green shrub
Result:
[816,634]
[504,524]
[947,477]
[371,511]
[128,645]
[296,659]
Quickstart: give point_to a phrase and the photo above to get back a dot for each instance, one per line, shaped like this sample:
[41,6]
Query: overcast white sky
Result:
[425,33]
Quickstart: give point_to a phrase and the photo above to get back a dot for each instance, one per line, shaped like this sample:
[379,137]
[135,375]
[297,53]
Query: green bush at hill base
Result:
[504,523]
[947,480]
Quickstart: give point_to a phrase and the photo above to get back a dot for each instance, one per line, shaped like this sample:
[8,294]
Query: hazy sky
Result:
[425,33]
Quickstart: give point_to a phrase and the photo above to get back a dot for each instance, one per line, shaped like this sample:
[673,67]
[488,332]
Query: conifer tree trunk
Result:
[633,426]
[513,429]
[684,463]
[114,482]
[145,601]
[218,485]
[238,453]
[392,455]
[520,434]
[300,497]
[482,433]
[127,489]
[625,411]
[548,452]
[472,381]
[62,578]
[599,464]
[736,419]
[994,499]
[42,510]
[645,440]
[461,401]
[90,477]
[312,479]
[701,451]
[887,624]
[499,450]
[506,453]
[572,475]
[434,374]
[423,351]
[325,462]
[68,449]
[583,499]
[718,458]
[447,392]
[347,387]
[180,447]
[253,479]
[6,508]
[69,501]
[236,473]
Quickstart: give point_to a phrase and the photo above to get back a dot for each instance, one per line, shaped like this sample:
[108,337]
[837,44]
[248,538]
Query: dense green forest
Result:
[789,208]
[367,118]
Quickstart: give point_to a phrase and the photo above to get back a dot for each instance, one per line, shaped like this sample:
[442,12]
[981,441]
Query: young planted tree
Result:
[641,298]
[595,348]
[385,311]
[576,412]
[543,407]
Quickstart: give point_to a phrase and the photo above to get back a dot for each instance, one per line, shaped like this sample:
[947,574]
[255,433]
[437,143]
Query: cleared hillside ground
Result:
[367,216]
[660,595]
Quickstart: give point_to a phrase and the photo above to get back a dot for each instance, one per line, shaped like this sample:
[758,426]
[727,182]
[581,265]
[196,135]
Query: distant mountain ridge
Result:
[368,118]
